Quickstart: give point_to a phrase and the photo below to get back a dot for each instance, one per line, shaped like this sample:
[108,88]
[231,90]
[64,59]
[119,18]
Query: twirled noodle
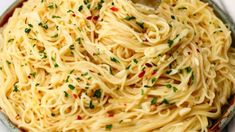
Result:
[74,65]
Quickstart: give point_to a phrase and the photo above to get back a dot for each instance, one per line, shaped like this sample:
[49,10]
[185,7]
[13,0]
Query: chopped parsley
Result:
[56,65]
[30,25]
[141,24]
[165,101]
[71,87]
[172,17]
[109,127]
[27,30]
[136,61]
[142,92]
[45,26]
[174,89]
[168,72]
[56,16]
[55,36]
[99,6]
[80,8]
[153,101]
[128,67]
[52,114]
[52,6]
[154,80]
[182,8]
[37,84]
[66,94]
[188,69]
[86,2]
[33,74]
[128,18]
[97,93]
[78,40]
[168,85]
[170,43]
[146,86]
[15,88]
[114,60]
[91,106]
[85,74]
[89,6]
[70,11]
[67,79]
[71,47]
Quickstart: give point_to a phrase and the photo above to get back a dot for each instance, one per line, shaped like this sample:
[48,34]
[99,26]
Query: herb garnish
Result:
[153,101]
[97,93]
[114,60]
[109,127]
[71,87]
[66,94]
[91,106]
[128,18]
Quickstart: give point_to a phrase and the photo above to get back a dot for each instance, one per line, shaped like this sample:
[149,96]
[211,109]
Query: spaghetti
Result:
[74,65]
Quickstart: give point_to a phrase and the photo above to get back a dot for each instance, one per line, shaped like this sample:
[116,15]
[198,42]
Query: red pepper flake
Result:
[110,114]
[154,72]
[114,9]
[95,18]
[73,15]
[148,65]
[141,74]
[79,117]
[89,18]
[75,96]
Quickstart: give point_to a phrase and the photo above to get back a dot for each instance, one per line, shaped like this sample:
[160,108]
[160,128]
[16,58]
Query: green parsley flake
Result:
[79,40]
[97,93]
[27,30]
[168,85]
[170,43]
[175,89]
[56,65]
[45,26]
[85,74]
[168,72]
[142,92]
[188,69]
[172,17]
[15,88]
[135,61]
[71,87]
[153,101]
[91,106]
[109,127]
[140,24]
[165,101]
[154,80]
[114,60]
[56,16]
[128,18]
[80,8]
[70,11]
[55,36]
[66,94]
[33,74]
[30,25]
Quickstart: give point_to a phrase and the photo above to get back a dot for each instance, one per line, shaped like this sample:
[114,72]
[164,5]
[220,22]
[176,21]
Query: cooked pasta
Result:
[99,65]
